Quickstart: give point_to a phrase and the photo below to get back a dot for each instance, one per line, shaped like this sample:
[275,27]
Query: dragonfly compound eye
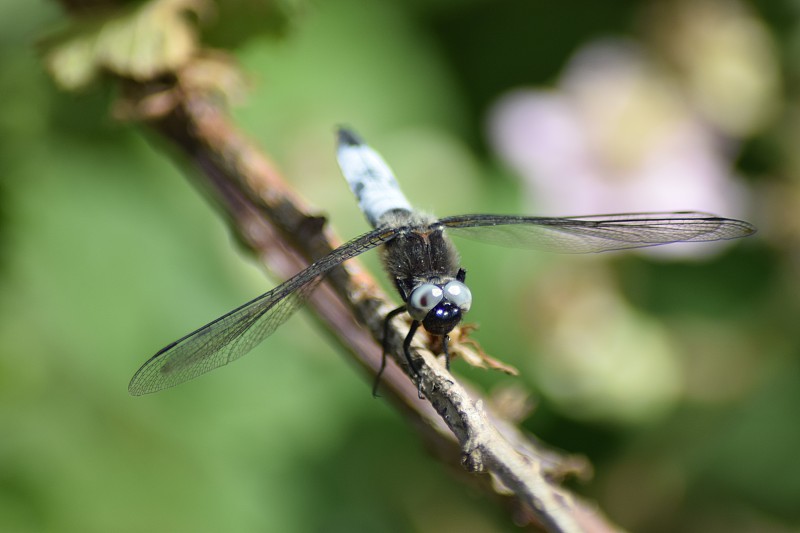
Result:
[423,299]
[459,294]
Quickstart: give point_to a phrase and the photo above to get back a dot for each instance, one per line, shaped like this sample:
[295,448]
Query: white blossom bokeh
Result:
[616,135]
[633,127]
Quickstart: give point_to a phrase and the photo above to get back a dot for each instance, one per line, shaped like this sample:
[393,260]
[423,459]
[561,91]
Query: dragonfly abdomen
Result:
[369,178]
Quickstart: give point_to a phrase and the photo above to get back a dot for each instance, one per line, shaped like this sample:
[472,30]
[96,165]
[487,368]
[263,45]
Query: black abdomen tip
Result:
[349,137]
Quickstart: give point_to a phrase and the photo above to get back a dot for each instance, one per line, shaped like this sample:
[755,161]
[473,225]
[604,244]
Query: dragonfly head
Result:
[443,318]
[439,307]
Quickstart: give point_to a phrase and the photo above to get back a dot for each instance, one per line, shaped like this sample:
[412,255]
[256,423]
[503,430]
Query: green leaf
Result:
[140,42]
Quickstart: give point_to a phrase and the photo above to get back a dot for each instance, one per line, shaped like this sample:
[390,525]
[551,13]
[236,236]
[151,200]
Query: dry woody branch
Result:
[177,103]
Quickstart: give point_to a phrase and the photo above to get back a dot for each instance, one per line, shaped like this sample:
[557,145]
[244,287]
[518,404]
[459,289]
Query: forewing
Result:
[236,333]
[597,233]
[219,342]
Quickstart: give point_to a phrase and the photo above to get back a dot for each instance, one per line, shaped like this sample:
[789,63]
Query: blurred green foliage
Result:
[107,253]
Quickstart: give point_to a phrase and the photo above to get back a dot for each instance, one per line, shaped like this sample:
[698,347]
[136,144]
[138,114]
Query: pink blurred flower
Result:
[614,136]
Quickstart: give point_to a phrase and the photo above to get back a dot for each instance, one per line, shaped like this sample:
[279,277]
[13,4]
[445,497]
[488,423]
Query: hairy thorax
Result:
[421,252]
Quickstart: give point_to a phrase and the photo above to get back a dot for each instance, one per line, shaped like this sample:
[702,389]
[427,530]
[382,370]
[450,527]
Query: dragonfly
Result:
[422,262]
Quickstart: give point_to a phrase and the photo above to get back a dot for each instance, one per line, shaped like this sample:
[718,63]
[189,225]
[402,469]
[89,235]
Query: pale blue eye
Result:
[459,294]
[423,299]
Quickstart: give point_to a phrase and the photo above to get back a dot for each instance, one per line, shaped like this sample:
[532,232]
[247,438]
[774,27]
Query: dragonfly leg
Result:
[407,351]
[407,347]
[393,313]
[445,349]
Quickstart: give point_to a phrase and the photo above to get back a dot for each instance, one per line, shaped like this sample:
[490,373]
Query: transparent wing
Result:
[236,333]
[597,233]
